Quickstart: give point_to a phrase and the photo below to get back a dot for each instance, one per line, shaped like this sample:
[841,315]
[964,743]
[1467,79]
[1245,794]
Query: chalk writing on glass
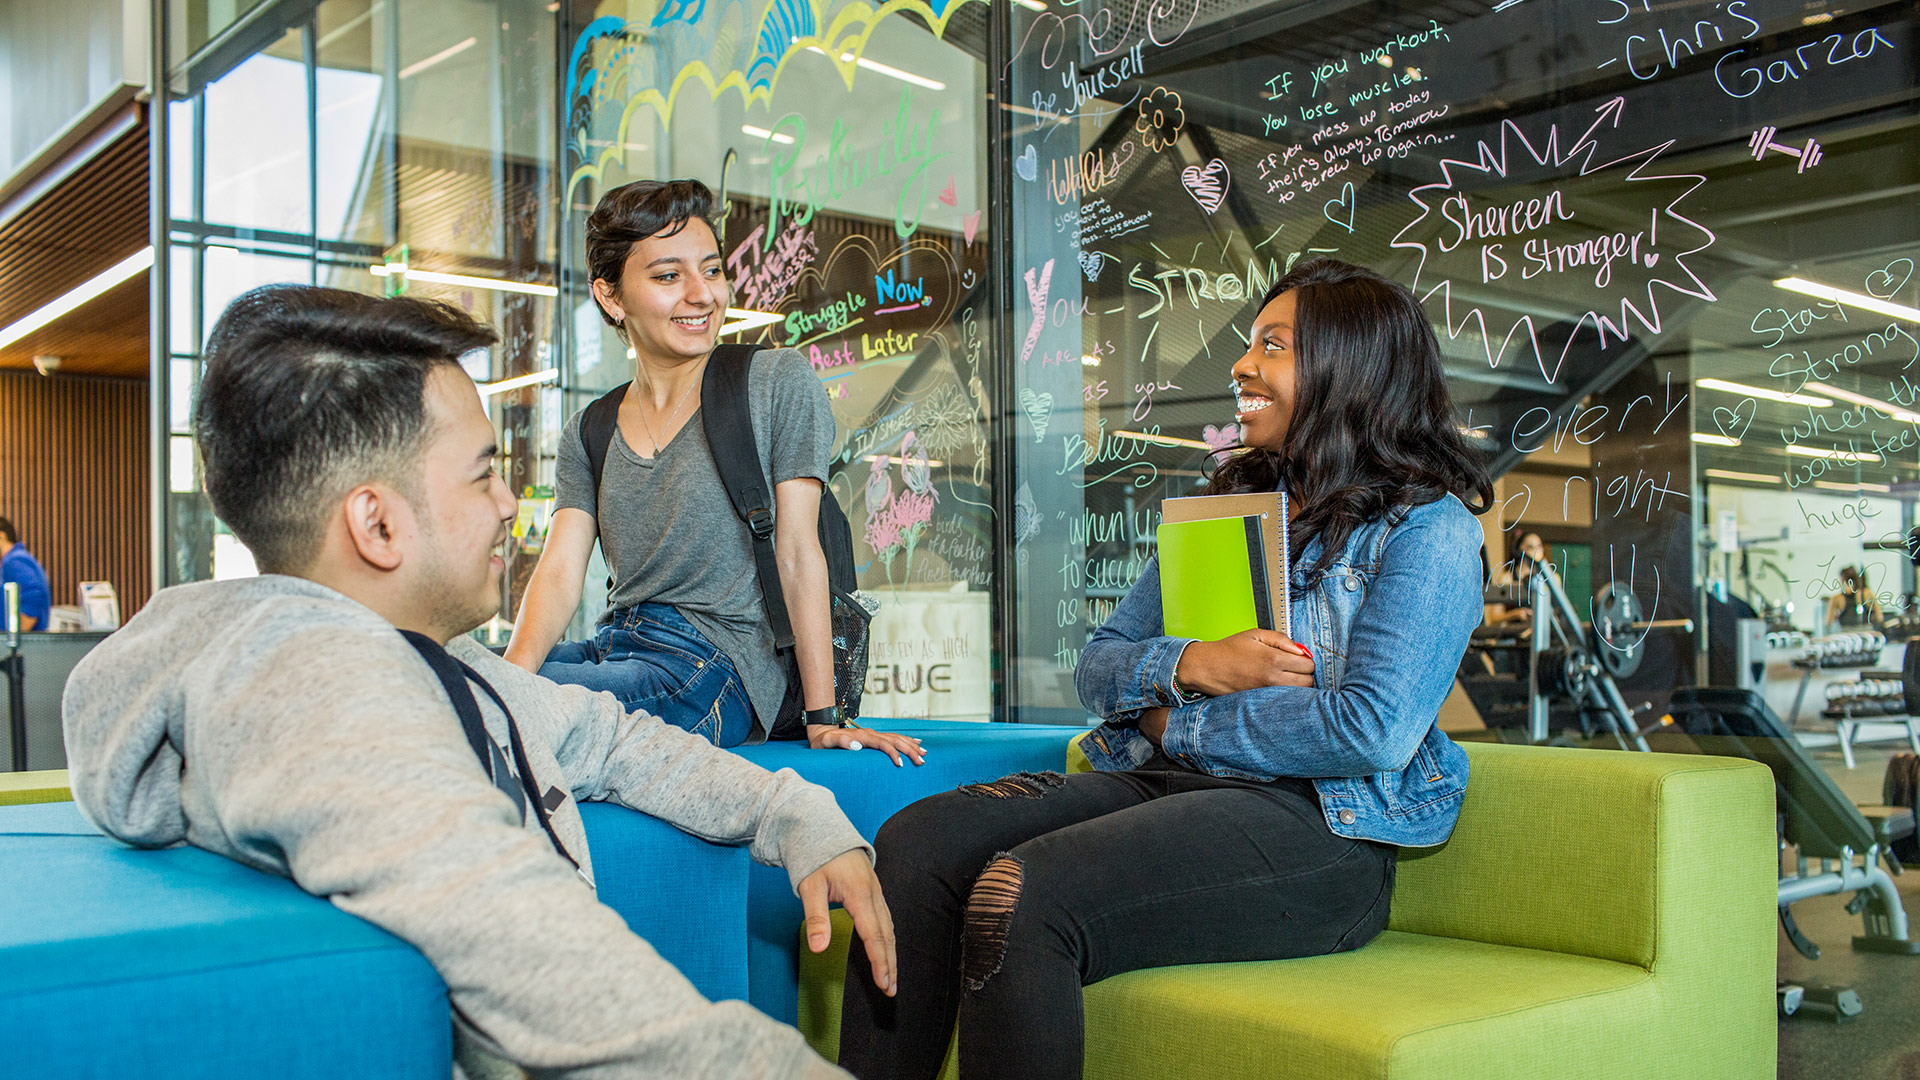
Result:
[1619,275]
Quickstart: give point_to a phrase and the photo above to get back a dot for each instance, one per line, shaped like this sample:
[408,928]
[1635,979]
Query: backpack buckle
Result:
[760,522]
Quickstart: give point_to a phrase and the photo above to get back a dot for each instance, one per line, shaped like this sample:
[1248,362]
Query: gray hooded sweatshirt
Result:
[278,723]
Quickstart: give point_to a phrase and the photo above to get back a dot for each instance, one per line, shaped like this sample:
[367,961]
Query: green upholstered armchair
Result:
[1595,914]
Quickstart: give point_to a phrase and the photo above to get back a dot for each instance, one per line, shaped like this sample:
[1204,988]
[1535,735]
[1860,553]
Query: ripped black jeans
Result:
[1008,897]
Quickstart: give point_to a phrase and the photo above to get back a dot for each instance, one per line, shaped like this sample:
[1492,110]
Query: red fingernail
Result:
[1304,651]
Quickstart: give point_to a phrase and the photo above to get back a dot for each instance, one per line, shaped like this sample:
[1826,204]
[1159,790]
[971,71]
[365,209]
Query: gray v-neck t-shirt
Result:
[669,533]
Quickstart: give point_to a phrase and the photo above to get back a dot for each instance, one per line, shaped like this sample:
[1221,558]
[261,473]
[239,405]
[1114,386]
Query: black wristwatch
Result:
[827,717]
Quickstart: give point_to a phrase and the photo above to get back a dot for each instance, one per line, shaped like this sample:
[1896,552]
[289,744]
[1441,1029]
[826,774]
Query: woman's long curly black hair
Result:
[1373,424]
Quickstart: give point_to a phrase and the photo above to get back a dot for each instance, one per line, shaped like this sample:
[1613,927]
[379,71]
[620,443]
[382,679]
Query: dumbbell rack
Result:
[1860,649]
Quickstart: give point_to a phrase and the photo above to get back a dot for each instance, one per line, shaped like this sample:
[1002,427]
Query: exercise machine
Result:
[1570,662]
[1838,847]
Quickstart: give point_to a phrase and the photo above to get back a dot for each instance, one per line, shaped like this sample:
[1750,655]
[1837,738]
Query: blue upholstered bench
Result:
[179,963]
[871,789]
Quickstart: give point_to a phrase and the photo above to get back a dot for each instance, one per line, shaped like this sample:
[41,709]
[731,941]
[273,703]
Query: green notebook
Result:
[1223,574]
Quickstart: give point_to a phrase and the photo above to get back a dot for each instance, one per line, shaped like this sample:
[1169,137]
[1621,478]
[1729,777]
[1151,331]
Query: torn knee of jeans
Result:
[1025,785]
[988,917]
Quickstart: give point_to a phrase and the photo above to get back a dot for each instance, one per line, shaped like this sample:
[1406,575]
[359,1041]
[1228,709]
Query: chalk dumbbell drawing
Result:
[1762,142]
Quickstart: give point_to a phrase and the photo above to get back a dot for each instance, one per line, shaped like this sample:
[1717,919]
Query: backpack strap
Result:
[598,423]
[727,415]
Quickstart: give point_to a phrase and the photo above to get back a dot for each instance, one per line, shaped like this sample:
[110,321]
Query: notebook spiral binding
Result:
[1286,569]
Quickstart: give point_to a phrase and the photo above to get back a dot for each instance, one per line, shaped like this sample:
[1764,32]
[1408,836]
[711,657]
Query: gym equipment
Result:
[1854,648]
[1762,142]
[1572,661]
[1836,1003]
[1849,842]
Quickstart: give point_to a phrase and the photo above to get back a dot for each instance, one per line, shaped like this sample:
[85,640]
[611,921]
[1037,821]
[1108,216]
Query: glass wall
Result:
[848,144]
[376,147]
[1670,252]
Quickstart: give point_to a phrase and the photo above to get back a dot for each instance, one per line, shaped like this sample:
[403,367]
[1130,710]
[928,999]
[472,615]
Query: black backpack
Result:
[727,417]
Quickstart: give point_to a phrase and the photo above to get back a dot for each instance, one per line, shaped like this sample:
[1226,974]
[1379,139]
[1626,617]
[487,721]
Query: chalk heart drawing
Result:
[947,194]
[1090,262]
[1039,410]
[1027,164]
[1221,437]
[1734,422]
[970,226]
[1207,183]
[1881,283]
[1343,203]
[1612,291]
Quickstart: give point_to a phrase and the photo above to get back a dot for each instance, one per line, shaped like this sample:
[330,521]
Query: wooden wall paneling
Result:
[73,478]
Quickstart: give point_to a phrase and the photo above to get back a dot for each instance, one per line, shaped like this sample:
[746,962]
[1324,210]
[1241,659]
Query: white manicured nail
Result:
[855,745]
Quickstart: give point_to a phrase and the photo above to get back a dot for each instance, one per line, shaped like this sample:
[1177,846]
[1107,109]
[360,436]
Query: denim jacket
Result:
[1387,621]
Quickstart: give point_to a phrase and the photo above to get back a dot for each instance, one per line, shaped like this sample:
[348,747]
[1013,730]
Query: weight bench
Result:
[1816,818]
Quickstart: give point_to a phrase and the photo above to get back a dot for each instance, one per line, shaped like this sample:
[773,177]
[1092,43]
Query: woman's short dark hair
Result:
[1373,423]
[633,212]
[309,392]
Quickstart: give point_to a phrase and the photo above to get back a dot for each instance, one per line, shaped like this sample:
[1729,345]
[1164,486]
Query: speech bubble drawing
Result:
[1599,231]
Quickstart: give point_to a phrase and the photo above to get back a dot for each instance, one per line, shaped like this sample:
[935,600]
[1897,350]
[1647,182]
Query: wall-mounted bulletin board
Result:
[1669,248]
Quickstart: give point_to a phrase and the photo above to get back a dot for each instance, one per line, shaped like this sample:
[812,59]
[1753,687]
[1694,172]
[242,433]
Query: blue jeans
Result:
[650,657]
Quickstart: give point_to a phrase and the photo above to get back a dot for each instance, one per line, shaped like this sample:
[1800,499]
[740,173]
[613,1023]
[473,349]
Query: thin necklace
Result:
[691,383]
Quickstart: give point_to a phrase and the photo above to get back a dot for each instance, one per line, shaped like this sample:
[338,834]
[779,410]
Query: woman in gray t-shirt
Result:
[687,638]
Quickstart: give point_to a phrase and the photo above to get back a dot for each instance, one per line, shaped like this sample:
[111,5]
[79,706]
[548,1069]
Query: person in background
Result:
[1528,551]
[1250,793]
[18,566]
[1854,606]
[332,720]
[687,636]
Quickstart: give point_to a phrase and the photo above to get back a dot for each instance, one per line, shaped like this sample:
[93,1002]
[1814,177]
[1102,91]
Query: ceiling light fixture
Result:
[518,381]
[465,280]
[889,70]
[1831,455]
[124,270]
[762,133]
[1159,440]
[1831,486]
[1890,410]
[739,319]
[1752,478]
[447,53]
[1708,439]
[1763,392]
[1852,299]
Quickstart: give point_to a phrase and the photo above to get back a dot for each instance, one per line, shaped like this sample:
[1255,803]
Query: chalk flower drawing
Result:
[1160,120]
[946,422]
[1570,235]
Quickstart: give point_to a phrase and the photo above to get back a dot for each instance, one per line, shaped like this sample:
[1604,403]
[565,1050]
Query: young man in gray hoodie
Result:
[331,722]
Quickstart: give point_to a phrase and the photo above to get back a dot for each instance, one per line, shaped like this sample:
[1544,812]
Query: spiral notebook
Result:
[1224,563]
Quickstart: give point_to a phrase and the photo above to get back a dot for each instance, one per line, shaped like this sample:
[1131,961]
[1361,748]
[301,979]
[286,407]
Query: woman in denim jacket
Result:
[1251,791]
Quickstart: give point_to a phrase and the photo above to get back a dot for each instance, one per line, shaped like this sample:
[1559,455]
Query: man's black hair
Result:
[309,392]
[12,534]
